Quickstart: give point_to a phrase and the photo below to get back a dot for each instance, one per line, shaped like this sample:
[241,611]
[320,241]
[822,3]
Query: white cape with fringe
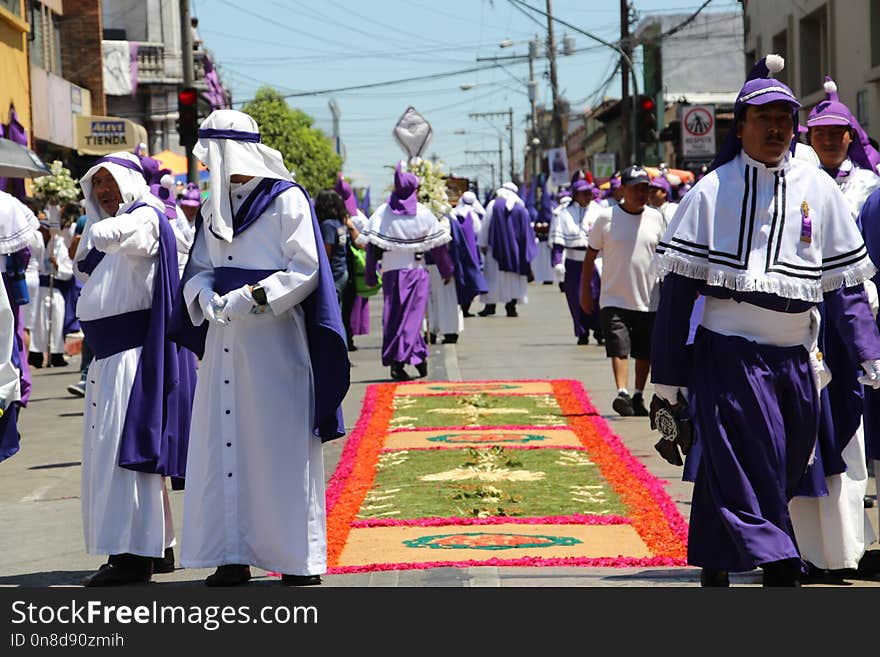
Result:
[417,232]
[742,227]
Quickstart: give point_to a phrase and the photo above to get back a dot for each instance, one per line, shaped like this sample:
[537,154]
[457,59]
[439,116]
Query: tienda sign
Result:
[99,135]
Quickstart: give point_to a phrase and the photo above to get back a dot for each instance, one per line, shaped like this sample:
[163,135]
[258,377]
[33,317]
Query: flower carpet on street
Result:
[493,473]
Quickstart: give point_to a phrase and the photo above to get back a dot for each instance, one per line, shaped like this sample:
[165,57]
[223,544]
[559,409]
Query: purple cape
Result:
[512,238]
[469,280]
[328,348]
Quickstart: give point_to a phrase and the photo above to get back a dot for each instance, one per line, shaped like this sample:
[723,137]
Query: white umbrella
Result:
[17,161]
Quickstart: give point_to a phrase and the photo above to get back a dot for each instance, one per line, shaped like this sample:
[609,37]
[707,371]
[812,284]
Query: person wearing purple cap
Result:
[568,235]
[400,232]
[508,242]
[765,238]
[614,194]
[660,197]
[830,521]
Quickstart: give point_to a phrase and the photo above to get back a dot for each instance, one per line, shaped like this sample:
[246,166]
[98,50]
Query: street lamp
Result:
[467,86]
[505,44]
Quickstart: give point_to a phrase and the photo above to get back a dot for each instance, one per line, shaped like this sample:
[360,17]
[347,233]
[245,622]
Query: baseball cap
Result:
[634,175]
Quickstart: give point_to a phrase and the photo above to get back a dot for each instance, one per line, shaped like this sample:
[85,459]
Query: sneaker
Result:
[77,389]
[638,405]
[623,404]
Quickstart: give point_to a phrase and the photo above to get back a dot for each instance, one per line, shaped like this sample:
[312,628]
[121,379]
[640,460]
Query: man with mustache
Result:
[765,238]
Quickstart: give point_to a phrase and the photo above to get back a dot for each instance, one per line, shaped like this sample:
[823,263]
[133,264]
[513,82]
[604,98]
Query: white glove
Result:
[670,393]
[237,304]
[211,305]
[872,374]
[560,270]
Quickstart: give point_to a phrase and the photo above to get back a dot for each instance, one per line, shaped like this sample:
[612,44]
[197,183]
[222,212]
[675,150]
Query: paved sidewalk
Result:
[42,545]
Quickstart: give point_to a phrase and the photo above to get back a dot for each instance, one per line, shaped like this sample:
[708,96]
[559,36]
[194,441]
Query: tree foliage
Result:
[306,149]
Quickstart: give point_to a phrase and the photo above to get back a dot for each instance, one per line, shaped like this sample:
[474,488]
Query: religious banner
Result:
[412,132]
[558,162]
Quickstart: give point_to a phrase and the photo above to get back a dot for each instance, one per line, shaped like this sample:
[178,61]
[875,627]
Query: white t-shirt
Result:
[627,242]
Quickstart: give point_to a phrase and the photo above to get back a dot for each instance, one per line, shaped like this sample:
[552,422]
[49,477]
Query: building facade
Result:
[14,71]
[819,38]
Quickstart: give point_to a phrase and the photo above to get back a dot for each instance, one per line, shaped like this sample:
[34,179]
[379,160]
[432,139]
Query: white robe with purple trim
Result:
[123,511]
[255,472]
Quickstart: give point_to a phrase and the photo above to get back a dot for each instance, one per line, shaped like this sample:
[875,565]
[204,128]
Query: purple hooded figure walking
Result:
[400,233]
[507,239]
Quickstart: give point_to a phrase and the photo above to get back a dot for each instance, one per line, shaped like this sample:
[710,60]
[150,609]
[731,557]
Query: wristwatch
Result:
[259,295]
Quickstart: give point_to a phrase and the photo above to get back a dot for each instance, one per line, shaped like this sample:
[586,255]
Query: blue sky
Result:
[300,46]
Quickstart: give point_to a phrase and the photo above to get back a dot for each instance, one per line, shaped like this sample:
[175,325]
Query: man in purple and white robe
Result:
[765,238]
[568,241]
[507,240]
[355,308]
[139,393]
[399,233]
[469,279]
[830,522]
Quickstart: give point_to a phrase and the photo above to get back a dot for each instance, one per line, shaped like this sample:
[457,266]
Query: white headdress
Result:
[229,144]
[128,173]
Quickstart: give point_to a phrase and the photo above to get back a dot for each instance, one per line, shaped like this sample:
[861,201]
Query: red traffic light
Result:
[647,104]
[188,97]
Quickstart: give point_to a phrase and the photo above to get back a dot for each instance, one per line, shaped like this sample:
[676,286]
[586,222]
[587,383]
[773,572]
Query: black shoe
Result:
[510,307]
[121,569]
[398,373]
[869,564]
[562,287]
[450,338]
[638,405]
[583,339]
[868,502]
[785,572]
[352,347]
[164,564]
[35,359]
[422,368]
[465,313]
[488,310]
[600,340]
[57,360]
[714,577]
[229,575]
[300,580]
[432,338]
[623,404]
[548,282]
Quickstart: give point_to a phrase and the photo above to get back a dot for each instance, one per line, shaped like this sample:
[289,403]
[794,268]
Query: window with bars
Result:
[45,38]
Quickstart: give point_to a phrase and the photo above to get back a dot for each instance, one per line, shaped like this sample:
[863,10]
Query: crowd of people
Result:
[748,297]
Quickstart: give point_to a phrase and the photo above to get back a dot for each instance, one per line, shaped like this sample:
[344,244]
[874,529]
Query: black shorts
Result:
[627,332]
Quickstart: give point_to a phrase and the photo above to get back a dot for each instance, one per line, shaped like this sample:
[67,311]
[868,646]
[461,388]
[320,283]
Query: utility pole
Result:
[627,140]
[509,115]
[533,98]
[556,122]
[510,128]
[492,166]
[186,48]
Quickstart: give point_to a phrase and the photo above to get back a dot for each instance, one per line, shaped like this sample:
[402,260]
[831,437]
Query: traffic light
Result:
[188,116]
[646,119]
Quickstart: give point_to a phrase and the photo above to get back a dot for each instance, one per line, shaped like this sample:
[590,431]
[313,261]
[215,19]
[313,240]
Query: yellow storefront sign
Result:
[99,135]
